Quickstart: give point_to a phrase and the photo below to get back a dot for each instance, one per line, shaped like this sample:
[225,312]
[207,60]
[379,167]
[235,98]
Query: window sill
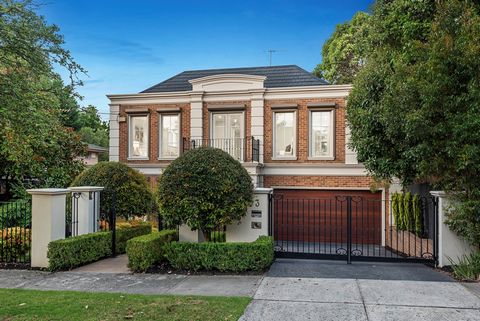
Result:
[167,158]
[285,158]
[137,158]
[330,158]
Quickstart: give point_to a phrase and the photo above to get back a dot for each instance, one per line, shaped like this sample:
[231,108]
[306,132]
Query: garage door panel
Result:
[321,216]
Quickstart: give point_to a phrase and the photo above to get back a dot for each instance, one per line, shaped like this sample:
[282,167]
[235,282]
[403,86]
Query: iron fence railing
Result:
[242,149]
[15,232]
[351,227]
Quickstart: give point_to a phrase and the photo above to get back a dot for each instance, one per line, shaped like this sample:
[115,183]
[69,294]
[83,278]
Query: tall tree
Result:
[415,105]
[344,53]
[35,146]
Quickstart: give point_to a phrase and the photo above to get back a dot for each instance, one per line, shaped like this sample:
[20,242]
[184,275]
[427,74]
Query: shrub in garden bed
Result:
[146,250]
[205,189]
[79,250]
[224,257]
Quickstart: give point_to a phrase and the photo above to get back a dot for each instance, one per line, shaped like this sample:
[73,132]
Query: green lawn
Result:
[66,305]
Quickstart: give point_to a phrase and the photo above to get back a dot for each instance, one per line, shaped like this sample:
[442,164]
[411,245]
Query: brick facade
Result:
[318,181]
[268,181]
[153,112]
[303,130]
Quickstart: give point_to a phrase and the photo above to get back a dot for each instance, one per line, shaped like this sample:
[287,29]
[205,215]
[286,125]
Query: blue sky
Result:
[128,46]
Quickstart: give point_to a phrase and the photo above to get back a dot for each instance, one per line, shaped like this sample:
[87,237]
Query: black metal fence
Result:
[242,149]
[15,232]
[351,228]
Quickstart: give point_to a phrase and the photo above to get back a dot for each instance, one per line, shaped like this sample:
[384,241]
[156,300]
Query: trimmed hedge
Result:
[146,250]
[225,257]
[75,251]
[125,233]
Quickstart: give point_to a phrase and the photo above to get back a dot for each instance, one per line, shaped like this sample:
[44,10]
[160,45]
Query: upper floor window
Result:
[321,134]
[169,133]
[228,133]
[138,136]
[284,135]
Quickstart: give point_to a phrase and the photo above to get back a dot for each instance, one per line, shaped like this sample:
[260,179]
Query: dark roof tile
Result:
[277,76]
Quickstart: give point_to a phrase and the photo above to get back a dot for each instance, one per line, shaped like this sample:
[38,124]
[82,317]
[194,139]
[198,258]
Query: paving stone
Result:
[309,289]
[300,311]
[396,313]
[220,285]
[337,269]
[417,293]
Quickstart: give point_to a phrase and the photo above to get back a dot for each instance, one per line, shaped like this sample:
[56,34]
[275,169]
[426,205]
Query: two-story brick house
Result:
[288,129]
[285,125]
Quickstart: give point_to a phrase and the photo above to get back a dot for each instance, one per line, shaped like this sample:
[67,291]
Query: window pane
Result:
[320,133]
[170,136]
[139,136]
[285,134]
[228,133]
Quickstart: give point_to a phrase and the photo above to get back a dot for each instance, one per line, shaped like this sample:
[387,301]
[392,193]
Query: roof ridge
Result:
[262,67]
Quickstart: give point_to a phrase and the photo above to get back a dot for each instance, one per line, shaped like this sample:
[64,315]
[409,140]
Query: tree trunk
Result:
[206,235]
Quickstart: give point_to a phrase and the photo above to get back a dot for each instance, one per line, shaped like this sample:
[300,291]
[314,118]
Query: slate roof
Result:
[277,76]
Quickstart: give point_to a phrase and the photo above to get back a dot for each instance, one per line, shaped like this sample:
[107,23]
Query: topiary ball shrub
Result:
[205,188]
[133,196]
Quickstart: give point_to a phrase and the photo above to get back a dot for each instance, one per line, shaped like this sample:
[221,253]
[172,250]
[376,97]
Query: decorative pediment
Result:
[227,82]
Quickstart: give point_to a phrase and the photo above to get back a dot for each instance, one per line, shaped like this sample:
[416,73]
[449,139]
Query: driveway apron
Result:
[321,290]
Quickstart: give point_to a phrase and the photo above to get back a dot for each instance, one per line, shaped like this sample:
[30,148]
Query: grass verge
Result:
[23,305]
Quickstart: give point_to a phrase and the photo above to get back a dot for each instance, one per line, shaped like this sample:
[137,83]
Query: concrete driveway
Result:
[319,290]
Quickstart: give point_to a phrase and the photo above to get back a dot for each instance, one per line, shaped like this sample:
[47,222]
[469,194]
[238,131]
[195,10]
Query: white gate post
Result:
[255,223]
[450,245]
[87,199]
[48,221]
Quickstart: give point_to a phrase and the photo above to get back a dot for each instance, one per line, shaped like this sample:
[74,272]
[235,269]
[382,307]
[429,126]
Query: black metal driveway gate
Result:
[350,228]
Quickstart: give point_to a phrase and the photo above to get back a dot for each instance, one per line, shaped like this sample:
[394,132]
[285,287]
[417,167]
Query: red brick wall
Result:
[302,130]
[318,181]
[153,132]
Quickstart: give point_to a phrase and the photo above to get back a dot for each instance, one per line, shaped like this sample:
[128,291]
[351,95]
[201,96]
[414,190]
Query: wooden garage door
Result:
[321,216]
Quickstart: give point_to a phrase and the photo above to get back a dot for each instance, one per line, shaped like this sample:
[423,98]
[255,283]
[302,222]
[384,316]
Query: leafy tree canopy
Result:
[415,105]
[206,189]
[344,53]
[133,196]
[35,105]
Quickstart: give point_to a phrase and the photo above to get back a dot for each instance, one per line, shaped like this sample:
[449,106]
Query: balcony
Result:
[242,149]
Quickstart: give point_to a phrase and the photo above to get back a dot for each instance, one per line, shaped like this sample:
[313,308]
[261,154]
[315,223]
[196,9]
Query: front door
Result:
[227,133]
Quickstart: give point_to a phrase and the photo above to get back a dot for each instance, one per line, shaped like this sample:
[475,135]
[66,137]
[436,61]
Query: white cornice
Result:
[323,91]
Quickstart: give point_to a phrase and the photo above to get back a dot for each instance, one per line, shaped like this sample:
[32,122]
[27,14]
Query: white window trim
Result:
[243,126]
[129,123]
[331,135]
[160,124]
[274,155]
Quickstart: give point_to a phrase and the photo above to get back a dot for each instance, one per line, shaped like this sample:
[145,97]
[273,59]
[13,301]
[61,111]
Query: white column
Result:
[114,142]
[87,199]
[196,115]
[450,245]
[257,119]
[48,221]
